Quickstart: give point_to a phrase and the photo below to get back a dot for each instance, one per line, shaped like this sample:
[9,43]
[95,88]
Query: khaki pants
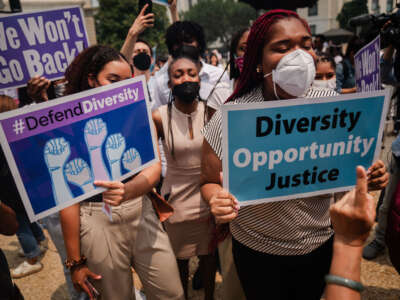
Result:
[135,238]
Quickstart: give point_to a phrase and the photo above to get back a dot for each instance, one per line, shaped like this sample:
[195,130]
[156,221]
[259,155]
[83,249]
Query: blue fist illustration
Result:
[56,153]
[95,133]
[78,172]
[115,147]
[131,159]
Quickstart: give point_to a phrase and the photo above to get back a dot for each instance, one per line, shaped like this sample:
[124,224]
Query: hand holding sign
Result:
[37,88]
[224,206]
[353,216]
[114,195]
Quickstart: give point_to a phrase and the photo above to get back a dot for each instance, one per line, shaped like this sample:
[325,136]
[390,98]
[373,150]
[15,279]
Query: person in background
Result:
[179,125]
[142,59]
[345,72]
[293,267]
[8,226]
[335,51]
[139,25]
[319,44]
[378,244]
[325,75]
[189,34]
[30,235]
[102,251]
[223,90]
[214,60]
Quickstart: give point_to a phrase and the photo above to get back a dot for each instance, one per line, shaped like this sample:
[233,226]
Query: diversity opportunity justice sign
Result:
[39,44]
[367,67]
[289,149]
[57,149]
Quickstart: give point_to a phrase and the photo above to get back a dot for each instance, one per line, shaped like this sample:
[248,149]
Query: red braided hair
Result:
[249,78]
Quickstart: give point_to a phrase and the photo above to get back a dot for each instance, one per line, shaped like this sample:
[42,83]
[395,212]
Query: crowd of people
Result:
[303,247]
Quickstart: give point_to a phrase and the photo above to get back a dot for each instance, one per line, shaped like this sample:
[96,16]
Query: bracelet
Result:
[351,284]
[72,264]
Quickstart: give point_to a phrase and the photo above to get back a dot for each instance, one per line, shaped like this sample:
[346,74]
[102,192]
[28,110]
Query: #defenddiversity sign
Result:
[282,150]
[40,43]
[57,149]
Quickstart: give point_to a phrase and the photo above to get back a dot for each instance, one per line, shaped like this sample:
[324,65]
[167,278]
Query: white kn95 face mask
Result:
[294,73]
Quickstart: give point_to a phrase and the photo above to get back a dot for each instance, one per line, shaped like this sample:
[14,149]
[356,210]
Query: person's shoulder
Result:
[314,92]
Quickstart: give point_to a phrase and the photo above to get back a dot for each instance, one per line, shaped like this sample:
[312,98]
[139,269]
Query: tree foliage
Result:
[115,17]
[351,9]
[221,18]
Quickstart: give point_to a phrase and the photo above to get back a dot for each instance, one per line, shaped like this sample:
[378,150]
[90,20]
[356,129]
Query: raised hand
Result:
[56,153]
[141,22]
[95,133]
[354,215]
[131,159]
[78,172]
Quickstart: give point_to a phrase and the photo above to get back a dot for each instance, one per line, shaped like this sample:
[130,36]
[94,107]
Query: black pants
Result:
[276,277]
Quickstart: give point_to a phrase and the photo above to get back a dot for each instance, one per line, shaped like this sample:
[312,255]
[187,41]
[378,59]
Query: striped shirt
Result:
[292,227]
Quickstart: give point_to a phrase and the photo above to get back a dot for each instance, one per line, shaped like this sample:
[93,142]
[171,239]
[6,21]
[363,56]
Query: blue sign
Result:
[281,150]
[367,67]
[57,149]
[39,44]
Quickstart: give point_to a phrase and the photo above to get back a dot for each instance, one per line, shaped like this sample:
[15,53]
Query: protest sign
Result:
[281,150]
[57,149]
[367,67]
[161,2]
[39,44]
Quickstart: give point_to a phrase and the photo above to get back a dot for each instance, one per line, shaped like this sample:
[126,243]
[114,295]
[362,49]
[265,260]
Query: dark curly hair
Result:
[89,62]
[184,32]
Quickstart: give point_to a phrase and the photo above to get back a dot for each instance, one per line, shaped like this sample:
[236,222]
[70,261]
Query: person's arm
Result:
[223,205]
[158,123]
[352,219]
[139,25]
[173,8]
[70,223]
[8,220]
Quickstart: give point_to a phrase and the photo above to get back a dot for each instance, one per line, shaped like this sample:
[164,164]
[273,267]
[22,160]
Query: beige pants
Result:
[231,287]
[135,238]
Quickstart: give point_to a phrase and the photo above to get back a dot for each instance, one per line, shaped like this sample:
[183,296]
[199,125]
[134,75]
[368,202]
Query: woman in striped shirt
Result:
[289,242]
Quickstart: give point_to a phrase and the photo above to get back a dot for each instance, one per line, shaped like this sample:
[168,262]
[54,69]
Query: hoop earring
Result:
[258,70]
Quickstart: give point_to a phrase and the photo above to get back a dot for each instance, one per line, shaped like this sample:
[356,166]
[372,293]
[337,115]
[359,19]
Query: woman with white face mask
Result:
[325,76]
[288,242]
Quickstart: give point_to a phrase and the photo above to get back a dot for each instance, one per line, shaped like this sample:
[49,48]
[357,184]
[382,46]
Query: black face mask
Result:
[142,61]
[187,91]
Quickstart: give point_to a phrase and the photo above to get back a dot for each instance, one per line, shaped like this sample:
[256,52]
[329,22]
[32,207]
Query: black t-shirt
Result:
[8,191]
